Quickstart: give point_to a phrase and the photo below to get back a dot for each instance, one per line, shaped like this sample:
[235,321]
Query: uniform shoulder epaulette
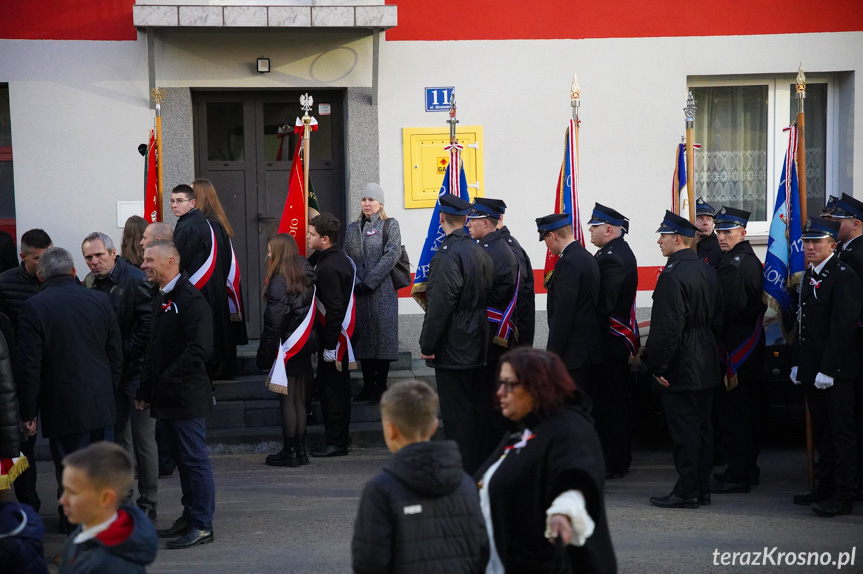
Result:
[737,259]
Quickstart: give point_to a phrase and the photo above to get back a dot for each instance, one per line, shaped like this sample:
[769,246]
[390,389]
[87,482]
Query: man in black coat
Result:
[681,355]
[455,333]
[828,366]
[71,361]
[574,333]
[196,241]
[335,285]
[706,242]
[16,286]
[618,282]
[176,389]
[738,404]
[132,298]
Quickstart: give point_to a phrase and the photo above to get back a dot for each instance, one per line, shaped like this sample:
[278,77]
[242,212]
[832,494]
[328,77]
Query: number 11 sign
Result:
[437,99]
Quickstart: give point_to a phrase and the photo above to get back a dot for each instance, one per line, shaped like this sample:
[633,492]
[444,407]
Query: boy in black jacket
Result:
[421,513]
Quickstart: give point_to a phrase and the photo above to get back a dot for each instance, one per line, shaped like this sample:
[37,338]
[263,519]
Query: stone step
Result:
[247,353]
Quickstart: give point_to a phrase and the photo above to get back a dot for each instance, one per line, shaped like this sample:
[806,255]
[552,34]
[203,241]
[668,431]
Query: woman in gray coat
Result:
[377,321]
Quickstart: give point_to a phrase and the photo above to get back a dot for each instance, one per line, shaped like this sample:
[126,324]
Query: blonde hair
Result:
[209,204]
[382,214]
[412,407]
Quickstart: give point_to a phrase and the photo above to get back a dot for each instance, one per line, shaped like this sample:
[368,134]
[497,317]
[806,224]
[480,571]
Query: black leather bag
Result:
[401,273]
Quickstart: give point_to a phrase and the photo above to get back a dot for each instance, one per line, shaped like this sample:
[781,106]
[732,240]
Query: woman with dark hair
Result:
[542,489]
[374,242]
[288,293]
[130,247]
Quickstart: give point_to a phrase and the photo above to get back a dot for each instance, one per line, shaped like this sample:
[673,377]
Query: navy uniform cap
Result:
[606,215]
[484,207]
[453,205]
[552,222]
[673,223]
[846,207]
[498,204]
[729,218]
[830,206]
[704,208]
[819,228]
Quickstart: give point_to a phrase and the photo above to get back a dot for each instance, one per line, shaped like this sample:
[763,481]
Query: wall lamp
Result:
[263,65]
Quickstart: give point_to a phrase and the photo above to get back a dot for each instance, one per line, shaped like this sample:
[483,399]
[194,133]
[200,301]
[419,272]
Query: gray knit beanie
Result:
[374,191]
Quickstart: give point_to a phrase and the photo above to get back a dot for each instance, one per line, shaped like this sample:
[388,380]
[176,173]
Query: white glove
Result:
[793,376]
[822,381]
[329,355]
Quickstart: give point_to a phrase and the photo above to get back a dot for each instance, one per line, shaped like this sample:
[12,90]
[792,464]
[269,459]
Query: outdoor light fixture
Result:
[263,65]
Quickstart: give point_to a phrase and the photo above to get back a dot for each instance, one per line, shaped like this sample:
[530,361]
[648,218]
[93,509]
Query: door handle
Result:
[262,218]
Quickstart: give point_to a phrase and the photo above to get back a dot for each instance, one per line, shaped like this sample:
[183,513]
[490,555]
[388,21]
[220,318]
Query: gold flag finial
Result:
[575,91]
[801,80]
[158,95]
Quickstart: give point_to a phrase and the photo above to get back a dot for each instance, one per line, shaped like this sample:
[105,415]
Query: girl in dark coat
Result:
[288,293]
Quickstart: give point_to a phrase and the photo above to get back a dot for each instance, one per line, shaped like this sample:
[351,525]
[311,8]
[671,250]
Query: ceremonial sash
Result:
[735,358]
[277,380]
[202,275]
[10,469]
[343,346]
[504,318]
[627,331]
[233,282]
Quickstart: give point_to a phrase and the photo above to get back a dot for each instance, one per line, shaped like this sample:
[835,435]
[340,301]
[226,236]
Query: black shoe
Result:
[328,450]
[150,512]
[720,487]
[673,501]
[180,527]
[285,457]
[364,395]
[191,538]
[300,447]
[816,495]
[704,499]
[832,507]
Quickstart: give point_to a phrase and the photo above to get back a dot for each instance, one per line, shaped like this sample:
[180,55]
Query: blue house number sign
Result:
[437,99]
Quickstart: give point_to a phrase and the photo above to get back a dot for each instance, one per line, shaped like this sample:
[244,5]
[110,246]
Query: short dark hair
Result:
[35,239]
[327,225]
[412,407]
[165,245]
[183,188]
[543,376]
[454,220]
[106,464]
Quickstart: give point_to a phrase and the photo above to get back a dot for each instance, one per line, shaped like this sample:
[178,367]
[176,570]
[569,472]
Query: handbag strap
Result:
[386,232]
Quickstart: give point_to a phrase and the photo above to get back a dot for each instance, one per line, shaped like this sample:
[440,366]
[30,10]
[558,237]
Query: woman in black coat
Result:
[545,480]
[289,296]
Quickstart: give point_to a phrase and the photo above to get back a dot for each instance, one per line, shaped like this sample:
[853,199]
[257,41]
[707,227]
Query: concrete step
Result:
[240,414]
[246,360]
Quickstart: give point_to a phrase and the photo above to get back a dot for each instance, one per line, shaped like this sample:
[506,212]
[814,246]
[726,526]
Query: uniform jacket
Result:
[741,279]
[563,454]
[525,306]
[132,299]
[127,546]
[377,333]
[455,328]
[851,253]
[618,282]
[283,313]
[194,241]
[335,281]
[71,358]
[420,515]
[503,288]
[9,423]
[173,379]
[827,323]
[708,249]
[574,333]
[16,286]
[21,553]
[684,325]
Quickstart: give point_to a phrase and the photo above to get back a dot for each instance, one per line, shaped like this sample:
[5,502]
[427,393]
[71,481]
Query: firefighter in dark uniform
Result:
[827,365]
[574,333]
[455,333]
[618,282]
[482,226]
[737,406]
[706,242]
[849,212]
[681,355]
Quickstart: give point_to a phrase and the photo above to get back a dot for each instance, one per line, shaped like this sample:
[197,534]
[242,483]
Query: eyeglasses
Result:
[508,386]
[178,201]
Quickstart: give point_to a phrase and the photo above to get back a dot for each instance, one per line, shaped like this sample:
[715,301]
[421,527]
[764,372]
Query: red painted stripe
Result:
[564,19]
[65,20]
[646,280]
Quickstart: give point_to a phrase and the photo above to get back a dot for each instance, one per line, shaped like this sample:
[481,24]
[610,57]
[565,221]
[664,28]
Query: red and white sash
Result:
[202,275]
[277,380]
[235,306]
[343,346]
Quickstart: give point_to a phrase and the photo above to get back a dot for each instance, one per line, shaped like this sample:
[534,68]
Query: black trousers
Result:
[465,406]
[335,387]
[609,392]
[375,373]
[738,414]
[688,417]
[25,484]
[832,412]
[497,424]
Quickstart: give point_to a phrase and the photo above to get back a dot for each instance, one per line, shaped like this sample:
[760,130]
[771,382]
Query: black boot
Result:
[285,457]
[301,449]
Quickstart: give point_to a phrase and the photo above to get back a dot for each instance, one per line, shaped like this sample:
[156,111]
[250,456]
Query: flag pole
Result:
[575,102]
[306,102]
[159,97]
[689,112]
[452,121]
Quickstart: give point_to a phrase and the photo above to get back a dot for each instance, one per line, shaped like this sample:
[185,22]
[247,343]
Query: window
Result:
[739,125]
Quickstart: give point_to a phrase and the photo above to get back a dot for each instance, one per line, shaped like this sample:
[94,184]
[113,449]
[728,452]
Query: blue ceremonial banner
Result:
[454,182]
[784,265]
